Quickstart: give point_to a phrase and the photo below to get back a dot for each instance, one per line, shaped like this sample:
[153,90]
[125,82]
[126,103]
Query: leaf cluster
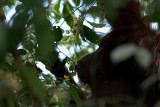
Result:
[32,36]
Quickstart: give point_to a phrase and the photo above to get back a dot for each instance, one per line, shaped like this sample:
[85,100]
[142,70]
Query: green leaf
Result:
[7,2]
[46,48]
[123,53]
[30,40]
[99,25]
[32,3]
[77,40]
[143,58]
[94,11]
[48,80]
[57,33]
[49,60]
[56,10]
[69,6]
[88,2]
[74,91]
[76,2]
[33,66]
[67,13]
[44,37]
[29,44]
[153,10]
[69,20]
[148,82]
[33,83]
[15,34]
[157,104]
[91,35]
[6,66]
[127,51]
[57,6]
[60,104]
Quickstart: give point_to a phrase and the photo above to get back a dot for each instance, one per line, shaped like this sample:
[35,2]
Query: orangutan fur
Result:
[125,79]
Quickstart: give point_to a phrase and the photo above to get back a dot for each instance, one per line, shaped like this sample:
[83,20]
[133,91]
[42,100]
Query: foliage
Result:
[33,34]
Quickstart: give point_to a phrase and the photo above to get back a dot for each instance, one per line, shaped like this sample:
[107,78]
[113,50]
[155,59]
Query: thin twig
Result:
[70,14]
[61,52]
[88,9]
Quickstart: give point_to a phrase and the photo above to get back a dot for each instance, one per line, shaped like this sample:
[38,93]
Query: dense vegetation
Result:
[35,34]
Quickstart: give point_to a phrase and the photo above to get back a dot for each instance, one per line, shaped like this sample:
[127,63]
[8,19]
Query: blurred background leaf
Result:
[34,34]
